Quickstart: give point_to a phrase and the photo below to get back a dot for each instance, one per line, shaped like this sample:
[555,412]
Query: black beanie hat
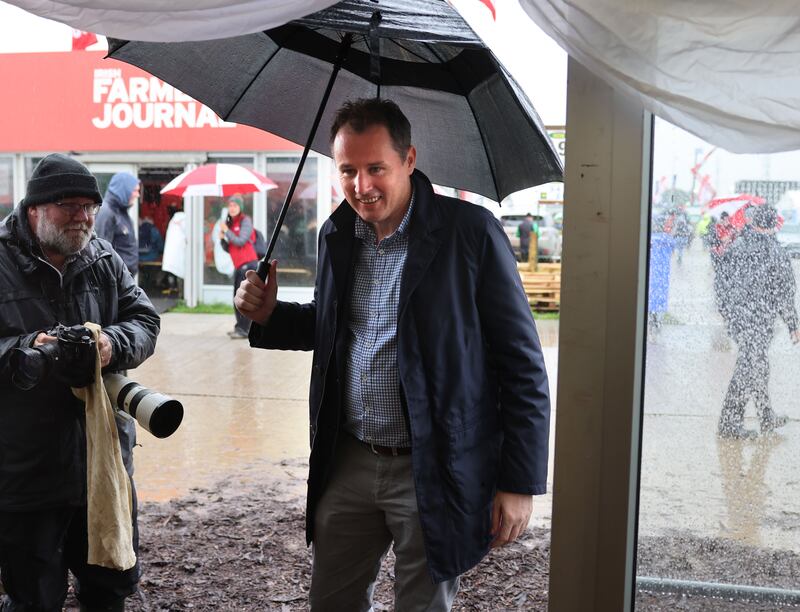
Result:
[56,177]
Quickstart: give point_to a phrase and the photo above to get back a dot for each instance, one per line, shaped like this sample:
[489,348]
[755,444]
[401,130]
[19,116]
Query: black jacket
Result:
[470,366]
[756,284]
[42,439]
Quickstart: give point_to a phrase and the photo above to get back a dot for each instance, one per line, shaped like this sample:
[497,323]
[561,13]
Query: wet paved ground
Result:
[245,406]
[691,480]
[241,406]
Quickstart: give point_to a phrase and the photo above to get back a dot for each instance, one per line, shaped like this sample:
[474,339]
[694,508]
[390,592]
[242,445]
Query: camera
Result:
[159,414]
[71,359]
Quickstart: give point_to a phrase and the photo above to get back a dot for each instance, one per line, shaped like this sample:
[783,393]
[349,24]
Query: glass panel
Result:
[721,427]
[6,186]
[296,249]
[155,212]
[217,264]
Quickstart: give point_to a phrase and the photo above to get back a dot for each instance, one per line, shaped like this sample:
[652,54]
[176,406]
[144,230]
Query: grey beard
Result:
[53,238]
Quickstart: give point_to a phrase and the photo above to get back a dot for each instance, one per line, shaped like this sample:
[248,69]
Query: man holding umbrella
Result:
[429,397]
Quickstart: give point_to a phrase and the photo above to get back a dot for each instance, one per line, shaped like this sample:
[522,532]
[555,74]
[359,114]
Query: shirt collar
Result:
[364,231]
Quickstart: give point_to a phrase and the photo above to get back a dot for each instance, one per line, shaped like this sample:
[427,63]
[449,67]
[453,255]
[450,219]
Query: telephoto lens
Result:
[159,414]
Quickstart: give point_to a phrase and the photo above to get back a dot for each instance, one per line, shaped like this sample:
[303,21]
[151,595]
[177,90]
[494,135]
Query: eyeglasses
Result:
[72,208]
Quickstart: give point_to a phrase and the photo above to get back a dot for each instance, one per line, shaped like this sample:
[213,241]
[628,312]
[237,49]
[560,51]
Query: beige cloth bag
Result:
[108,488]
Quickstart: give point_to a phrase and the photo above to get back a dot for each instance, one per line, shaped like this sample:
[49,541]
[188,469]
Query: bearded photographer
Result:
[54,270]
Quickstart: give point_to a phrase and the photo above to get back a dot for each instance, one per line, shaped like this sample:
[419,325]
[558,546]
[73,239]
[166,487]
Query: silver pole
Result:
[719,590]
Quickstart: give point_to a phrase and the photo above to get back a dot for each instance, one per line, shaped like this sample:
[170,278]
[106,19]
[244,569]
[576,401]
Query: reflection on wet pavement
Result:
[241,406]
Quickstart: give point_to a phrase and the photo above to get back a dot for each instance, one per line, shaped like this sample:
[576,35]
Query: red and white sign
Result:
[82,102]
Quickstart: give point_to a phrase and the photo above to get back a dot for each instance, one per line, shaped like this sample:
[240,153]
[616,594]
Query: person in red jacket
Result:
[238,238]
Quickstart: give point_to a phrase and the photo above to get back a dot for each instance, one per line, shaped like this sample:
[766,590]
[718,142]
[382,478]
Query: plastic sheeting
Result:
[725,71]
[177,20]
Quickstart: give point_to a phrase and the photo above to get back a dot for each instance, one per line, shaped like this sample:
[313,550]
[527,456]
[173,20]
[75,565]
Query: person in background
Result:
[524,230]
[682,232]
[176,244]
[704,228]
[757,286]
[429,398]
[724,234]
[151,244]
[53,269]
[237,236]
[113,221]
[662,244]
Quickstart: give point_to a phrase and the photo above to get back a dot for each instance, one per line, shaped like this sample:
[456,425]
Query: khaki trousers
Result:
[369,503]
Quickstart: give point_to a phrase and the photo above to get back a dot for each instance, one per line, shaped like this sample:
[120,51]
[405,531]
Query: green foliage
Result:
[203,308]
[545,315]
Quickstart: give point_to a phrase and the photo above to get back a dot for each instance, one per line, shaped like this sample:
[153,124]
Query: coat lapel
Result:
[425,237]
[340,248]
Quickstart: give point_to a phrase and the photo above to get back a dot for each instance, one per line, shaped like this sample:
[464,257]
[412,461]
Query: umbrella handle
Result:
[263,265]
[263,269]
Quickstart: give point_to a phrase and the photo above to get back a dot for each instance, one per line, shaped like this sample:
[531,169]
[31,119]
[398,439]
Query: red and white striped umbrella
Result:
[218,180]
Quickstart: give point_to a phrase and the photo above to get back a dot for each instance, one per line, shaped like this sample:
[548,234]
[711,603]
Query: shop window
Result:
[6,186]
[721,426]
[296,249]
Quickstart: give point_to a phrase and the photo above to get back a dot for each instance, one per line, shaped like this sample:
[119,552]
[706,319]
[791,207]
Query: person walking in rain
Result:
[756,285]
[113,221]
[524,230]
[429,397]
[662,244]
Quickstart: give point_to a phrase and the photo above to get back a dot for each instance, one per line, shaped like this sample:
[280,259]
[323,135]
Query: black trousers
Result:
[750,378]
[38,548]
[36,551]
[242,322]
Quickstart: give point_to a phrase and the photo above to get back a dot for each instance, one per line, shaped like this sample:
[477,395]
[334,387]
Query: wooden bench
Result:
[543,286]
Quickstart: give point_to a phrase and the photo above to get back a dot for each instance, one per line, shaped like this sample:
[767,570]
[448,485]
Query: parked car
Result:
[549,236]
[789,237]
[789,233]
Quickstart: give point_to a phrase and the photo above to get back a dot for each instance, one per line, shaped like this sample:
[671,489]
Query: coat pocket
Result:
[472,465]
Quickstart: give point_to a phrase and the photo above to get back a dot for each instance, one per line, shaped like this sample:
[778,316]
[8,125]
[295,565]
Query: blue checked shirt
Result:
[373,406]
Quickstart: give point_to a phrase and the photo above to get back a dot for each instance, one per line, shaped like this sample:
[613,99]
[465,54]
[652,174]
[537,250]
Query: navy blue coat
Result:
[470,363]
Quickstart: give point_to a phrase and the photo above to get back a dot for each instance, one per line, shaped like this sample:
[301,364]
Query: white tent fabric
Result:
[725,71]
[174,21]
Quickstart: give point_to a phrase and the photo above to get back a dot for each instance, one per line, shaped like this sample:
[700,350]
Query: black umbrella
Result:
[472,125]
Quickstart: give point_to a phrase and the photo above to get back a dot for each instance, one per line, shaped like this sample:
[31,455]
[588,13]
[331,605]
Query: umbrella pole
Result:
[263,265]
